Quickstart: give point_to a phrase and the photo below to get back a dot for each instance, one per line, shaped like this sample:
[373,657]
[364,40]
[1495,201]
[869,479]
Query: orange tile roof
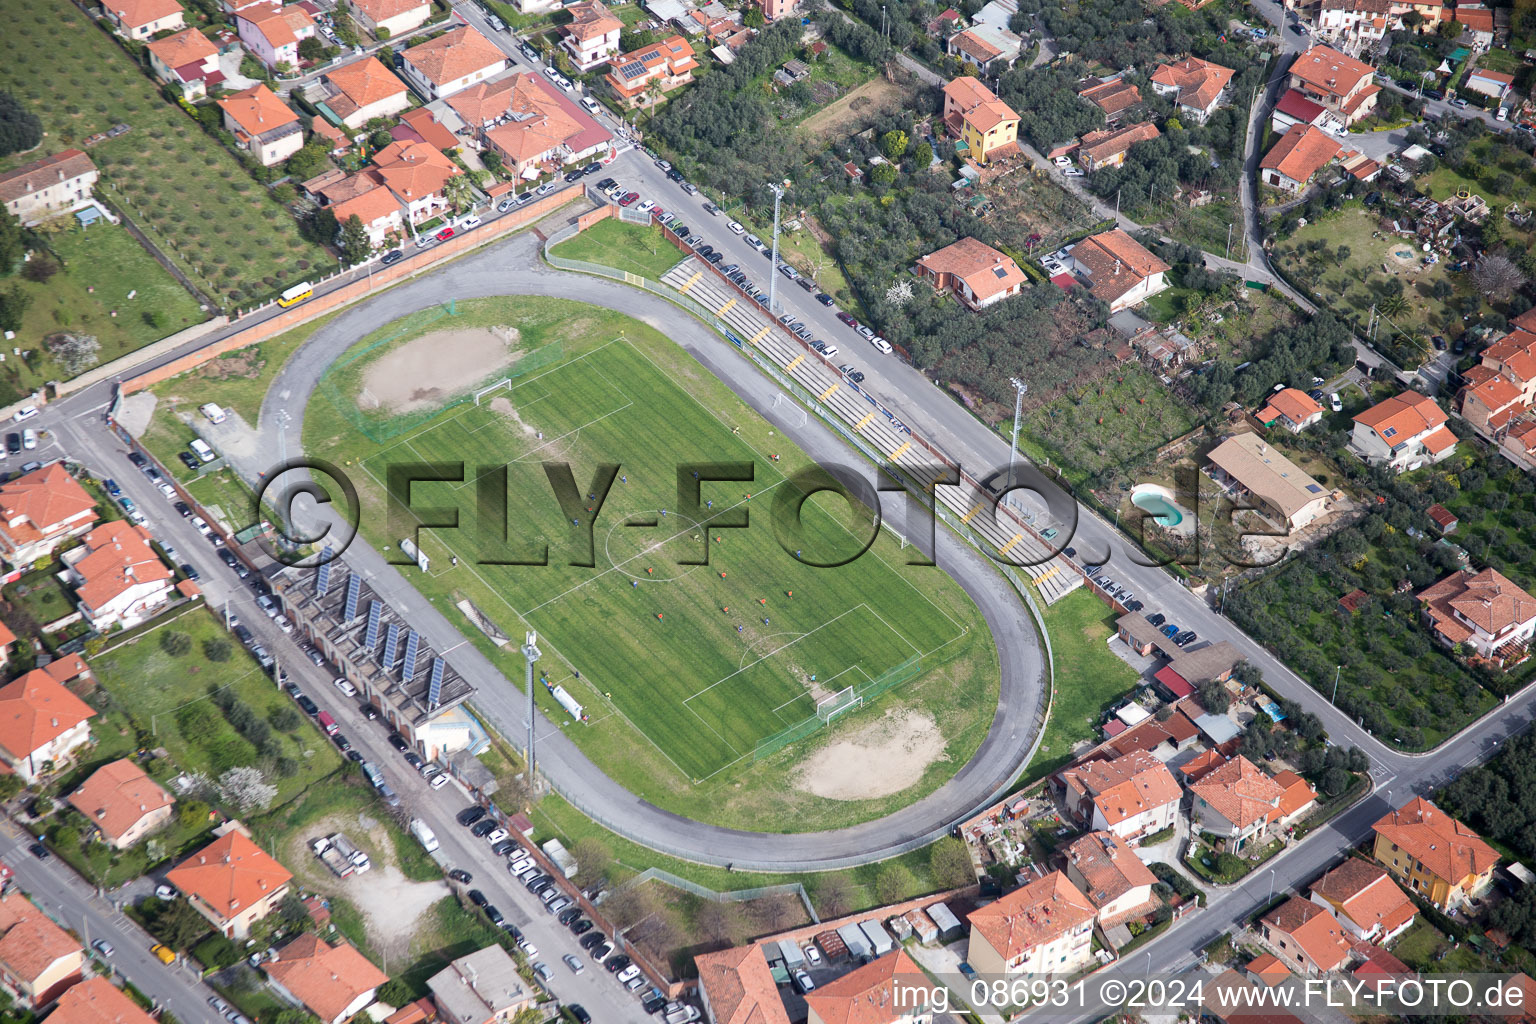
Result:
[1301,152]
[1295,794]
[1101,145]
[183,48]
[1495,393]
[1439,440]
[1116,263]
[1239,791]
[1268,968]
[1318,934]
[1109,867]
[1488,599]
[134,13]
[120,558]
[972,45]
[376,204]
[424,123]
[630,72]
[1477,19]
[548,126]
[365,81]
[1364,893]
[1330,72]
[1199,81]
[739,987]
[257,110]
[413,170]
[1515,352]
[985,271]
[1126,786]
[877,993]
[451,56]
[97,1001]
[977,104]
[36,709]
[1112,96]
[1524,433]
[1201,765]
[42,500]
[383,10]
[229,874]
[590,20]
[1032,915]
[280,26]
[117,796]
[29,942]
[327,979]
[1296,406]
[1402,417]
[1448,849]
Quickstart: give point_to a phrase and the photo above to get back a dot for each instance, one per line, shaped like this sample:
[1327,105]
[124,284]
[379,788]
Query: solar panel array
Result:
[412,646]
[354,590]
[435,690]
[323,577]
[375,613]
[632,70]
[391,644]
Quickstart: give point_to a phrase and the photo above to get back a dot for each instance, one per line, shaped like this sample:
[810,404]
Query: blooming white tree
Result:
[246,787]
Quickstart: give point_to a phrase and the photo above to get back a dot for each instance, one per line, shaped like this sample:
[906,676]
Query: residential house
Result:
[46,188]
[978,274]
[1336,81]
[386,19]
[1501,388]
[1365,900]
[1402,433]
[989,48]
[406,185]
[142,19]
[332,982]
[232,882]
[272,34]
[1121,273]
[1250,468]
[890,990]
[1293,108]
[1433,854]
[482,987]
[1477,25]
[1444,519]
[1197,86]
[988,126]
[773,10]
[1235,801]
[41,722]
[1301,152]
[1043,928]
[1114,95]
[591,37]
[641,74]
[1306,937]
[262,124]
[1297,798]
[188,60]
[358,92]
[118,577]
[122,803]
[1493,84]
[1291,408]
[736,987]
[1108,147]
[1483,612]
[38,959]
[1133,795]
[452,62]
[1355,25]
[540,129]
[97,1001]
[1113,878]
[1431,12]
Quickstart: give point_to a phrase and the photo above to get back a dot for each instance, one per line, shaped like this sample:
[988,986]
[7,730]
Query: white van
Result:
[214,413]
[201,450]
[420,830]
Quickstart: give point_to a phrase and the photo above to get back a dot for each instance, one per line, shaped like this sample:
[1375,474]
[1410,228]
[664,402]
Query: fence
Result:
[734,896]
[864,693]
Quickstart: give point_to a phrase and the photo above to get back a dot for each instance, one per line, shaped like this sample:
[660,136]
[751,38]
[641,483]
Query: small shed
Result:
[1133,714]
[945,920]
[832,945]
[1444,519]
[900,926]
[922,925]
[854,939]
[793,958]
[555,850]
[879,939]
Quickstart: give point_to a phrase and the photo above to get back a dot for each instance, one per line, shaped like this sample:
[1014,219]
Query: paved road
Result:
[66,898]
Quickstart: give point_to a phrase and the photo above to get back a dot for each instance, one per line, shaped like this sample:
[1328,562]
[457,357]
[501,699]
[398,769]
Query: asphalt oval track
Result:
[514,267]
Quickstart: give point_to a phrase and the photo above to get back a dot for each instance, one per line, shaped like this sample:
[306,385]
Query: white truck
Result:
[424,835]
[357,858]
[333,858]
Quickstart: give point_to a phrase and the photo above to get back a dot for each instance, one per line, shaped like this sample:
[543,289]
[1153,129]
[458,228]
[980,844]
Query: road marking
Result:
[863,422]
[829,392]
[899,452]
[966,519]
[690,282]
[795,362]
[1009,546]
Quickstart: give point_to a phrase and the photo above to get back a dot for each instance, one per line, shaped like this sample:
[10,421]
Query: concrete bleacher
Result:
[1009,535]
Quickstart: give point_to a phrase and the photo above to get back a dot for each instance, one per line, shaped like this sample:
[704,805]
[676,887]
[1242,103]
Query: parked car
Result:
[1334,403]
[345,686]
[393,256]
[469,815]
[574,963]
[444,235]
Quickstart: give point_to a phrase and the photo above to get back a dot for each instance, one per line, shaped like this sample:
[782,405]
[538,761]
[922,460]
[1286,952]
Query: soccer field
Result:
[705,661]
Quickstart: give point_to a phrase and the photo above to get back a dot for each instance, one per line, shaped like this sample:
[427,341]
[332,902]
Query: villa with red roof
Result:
[1043,928]
[122,803]
[262,124]
[1196,86]
[1301,152]
[1365,900]
[142,19]
[452,62]
[188,60]
[545,130]
[406,184]
[974,115]
[1293,409]
[1113,878]
[272,34]
[386,19]
[638,76]
[41,722]
[1294,108]
[232,882]
[591,37]
[363,90]
[1402,433]
[889,990]
[1433,854]
[1235,801]
[1114,96]
[97,1001]
[1131,796]
[38,959]
[1483,612]
[736,987]
[332,982]
[40,510]
[1109,147]
[119,579]
[976,273]
[1121,272]
[1336,81]
[1305,936]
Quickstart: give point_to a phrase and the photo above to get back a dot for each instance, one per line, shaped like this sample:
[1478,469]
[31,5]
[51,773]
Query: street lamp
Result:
[773,272]
[1019,387]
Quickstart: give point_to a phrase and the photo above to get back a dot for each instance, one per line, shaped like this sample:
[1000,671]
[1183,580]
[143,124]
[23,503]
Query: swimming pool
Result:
[1165,512]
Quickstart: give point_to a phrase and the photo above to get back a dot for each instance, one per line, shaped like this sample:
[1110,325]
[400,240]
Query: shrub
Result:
[175,643]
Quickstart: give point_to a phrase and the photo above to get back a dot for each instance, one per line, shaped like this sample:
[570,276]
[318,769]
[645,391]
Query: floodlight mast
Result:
[532,653]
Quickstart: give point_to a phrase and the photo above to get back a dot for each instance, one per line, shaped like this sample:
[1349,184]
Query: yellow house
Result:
[1044,928]
[987,125]
[1432,853]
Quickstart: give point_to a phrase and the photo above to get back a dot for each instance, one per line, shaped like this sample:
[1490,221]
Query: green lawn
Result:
[633,248]
[188,193]
[683,668]
[1088,677]
[237,381]
[170,698]
[41,596]
[450,930]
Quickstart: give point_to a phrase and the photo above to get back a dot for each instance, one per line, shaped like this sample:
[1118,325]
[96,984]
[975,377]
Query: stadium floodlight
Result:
[532,653]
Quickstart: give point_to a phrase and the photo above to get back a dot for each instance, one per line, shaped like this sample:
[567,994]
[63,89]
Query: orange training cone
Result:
[658,615]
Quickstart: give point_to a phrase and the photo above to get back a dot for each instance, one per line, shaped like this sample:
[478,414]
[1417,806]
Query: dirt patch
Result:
[245,364]
[394,905]
[863,104]
[882,758]
[429,370]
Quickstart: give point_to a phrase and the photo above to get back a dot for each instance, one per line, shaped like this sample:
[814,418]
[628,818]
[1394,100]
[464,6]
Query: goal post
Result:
[505,382]
[796,410]
[829,707]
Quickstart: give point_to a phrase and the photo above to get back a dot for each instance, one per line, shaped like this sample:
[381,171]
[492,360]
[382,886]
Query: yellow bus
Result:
[295,295]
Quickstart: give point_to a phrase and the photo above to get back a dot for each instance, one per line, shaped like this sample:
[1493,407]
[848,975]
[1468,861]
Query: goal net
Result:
[504,384]
[795,411]
[829,707]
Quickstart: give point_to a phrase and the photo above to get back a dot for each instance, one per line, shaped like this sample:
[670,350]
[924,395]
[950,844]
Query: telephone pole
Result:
[532,653]
[773,274]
